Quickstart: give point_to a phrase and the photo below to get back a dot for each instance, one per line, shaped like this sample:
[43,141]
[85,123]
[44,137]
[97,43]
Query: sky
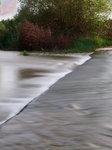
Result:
[8,9]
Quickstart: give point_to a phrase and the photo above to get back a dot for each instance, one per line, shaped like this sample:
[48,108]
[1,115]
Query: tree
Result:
[83,15]
[2,27]
[8,33]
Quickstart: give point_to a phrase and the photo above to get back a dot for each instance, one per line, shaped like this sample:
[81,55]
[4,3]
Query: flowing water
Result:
[74,114]
[24,78]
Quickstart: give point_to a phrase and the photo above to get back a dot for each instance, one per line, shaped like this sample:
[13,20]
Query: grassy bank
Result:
[87,44]
[79,45]
[29,37]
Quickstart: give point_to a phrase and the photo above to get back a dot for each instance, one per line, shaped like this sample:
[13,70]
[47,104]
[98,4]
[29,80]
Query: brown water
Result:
[24,78]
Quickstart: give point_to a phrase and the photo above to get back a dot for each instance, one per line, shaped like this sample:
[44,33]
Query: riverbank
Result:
[104,49]
[80,44]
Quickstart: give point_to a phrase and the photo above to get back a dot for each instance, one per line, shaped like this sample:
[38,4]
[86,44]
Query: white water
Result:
[24,78]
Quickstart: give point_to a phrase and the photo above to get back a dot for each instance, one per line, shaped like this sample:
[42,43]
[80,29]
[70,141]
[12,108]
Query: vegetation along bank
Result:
[58,26]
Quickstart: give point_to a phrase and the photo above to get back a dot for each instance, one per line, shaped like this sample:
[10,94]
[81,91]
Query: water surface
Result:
[76,113]
[24,78]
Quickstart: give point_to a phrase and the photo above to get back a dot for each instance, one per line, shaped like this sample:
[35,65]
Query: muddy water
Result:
[24,78]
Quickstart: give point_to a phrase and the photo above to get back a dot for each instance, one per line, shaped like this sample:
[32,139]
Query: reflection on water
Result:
[24,78]
[30,73]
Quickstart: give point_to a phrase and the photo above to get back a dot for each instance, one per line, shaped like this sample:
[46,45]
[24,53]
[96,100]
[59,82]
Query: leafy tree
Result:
[8,33]
[2,27]
[83,15]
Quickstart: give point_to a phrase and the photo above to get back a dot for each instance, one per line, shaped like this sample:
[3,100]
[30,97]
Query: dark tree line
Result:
[65,18]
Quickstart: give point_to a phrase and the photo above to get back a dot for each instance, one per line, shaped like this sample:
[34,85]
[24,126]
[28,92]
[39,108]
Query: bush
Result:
[63,41]
[34,37]
[84,44]
[25,53]
[100,42]
[88,44]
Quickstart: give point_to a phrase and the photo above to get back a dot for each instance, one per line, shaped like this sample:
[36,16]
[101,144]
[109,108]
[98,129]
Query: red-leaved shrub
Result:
[109,31]
[63,41]
[34,37]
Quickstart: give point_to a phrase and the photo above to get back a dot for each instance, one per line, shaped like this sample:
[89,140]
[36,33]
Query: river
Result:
[73,114]
[24,78]
[76,113]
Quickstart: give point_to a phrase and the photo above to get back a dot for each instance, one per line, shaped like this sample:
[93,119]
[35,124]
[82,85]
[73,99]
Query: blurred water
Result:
[24,78]
[76,113]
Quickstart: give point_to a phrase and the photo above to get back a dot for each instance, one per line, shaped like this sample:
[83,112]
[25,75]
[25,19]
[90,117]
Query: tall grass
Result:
[88,44]
[84,44]
[101,42]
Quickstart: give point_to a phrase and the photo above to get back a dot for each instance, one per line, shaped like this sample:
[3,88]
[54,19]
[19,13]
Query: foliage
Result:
[25,53]
[62,41]
[84,44]
[8,33]
[109,31]
[2,27]
[72,25]
[34,37]
[87,44]
[102,42]
[84,15]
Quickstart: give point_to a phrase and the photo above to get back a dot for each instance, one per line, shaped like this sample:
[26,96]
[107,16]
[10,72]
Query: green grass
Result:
[84,44]
[25,53]
[87,44]
[100,42]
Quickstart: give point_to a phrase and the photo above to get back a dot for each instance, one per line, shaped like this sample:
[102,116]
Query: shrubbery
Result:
[28,36]
[33,37]
[8,34]
[63,41]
